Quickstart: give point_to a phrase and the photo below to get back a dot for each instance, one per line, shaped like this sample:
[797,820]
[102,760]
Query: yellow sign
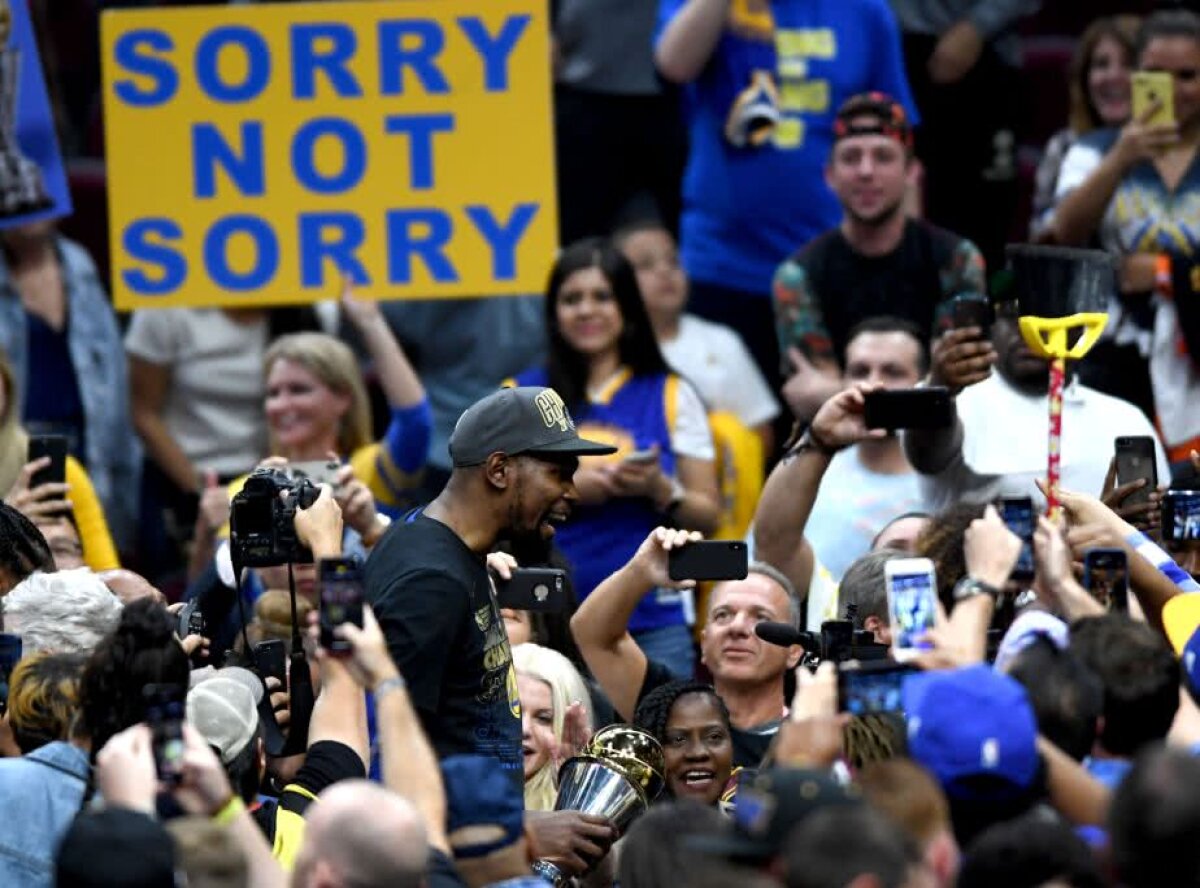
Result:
[257,153]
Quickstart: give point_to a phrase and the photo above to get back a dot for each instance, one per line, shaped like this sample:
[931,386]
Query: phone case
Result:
[709,560]
[1150,87]
[1136,459]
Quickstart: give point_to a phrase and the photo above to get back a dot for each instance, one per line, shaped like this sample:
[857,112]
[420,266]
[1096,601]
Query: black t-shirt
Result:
[435,604]
[906,283]
[749,747]
[325,763]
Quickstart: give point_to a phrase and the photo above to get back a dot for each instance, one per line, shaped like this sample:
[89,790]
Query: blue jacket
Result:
[42,792]
[113,458]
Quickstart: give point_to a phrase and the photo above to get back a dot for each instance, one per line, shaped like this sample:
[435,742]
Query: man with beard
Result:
[514,453]
[878,261]
[998,445]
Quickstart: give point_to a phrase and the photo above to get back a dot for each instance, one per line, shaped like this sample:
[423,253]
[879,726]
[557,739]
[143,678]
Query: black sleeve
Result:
[325,763]
[420,615]
[657,675]
[1185,280]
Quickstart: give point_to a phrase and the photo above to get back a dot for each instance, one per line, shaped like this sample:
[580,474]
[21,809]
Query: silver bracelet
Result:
[395,683]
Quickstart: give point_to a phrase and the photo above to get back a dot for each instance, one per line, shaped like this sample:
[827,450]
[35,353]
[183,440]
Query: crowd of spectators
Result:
[773,213]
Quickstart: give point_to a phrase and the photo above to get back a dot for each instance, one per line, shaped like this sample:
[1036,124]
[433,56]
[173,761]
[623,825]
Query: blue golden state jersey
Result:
[632,413]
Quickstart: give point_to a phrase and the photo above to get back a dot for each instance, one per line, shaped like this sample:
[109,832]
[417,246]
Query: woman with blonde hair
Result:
[556,719]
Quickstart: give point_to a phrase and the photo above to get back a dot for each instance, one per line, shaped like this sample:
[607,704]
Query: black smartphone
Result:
[1181,515]
[191,620]
[709,560]
[544,589]
[870,688]
[1136,460]
[918,408]
[166,708]
[270,659]
[55,447]
[10,655]
[973,311]
[341,584]
[1017,513]
[1106,577]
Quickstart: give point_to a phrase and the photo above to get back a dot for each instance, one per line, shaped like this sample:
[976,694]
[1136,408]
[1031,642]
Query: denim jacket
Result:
[42,792]
[113,450]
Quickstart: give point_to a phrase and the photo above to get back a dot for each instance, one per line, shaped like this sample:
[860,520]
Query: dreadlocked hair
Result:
[872,738]
[23,549]
[654,711]
[142,650]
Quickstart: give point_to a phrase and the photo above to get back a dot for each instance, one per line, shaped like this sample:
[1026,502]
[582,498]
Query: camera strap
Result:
[300,687]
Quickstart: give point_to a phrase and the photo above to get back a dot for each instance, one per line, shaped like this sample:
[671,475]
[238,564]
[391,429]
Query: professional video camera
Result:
[261,521]
[838,640]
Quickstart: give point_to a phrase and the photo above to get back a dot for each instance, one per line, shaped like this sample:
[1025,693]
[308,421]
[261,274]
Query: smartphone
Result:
[912,603]
[1017,513]
[646,455]
[191,620]
[972,311]
[10,655]
[871,688]
[709,560]
[166,708]
[1136,459]
[918,408]
[1106,577]
[341,584]
[270,659]
[1181,515]
[316,471]
[55,447]
[544,589]
[1150,87]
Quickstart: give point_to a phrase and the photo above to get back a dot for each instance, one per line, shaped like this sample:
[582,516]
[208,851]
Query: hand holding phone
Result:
[1135,457]
[341,587]
[166,706]
[542,589]
[872,688]
[1106,577]
[1153,95]
[916,408]
[270,659]
[709,560]
[1017,513]
[54,447]
[912,604]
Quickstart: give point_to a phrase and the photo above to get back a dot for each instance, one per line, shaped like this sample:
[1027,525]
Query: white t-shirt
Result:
[1005,443]
[852,506]
[714,359]
[691,435]
[214,406]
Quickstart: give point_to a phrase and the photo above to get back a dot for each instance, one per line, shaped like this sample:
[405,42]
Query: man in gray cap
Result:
[515,453]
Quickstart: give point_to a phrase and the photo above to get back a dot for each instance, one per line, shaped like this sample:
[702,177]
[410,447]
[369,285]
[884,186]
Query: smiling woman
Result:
[692,723]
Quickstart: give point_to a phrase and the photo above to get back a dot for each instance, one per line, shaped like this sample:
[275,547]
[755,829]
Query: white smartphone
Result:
[912,603]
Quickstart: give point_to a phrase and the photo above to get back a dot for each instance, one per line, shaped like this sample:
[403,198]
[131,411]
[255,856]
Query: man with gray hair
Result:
[362,834]
[865,586]
[66,612]
[747,671]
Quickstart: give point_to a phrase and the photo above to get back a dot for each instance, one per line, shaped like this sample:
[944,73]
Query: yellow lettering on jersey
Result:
[789,133]
[806,95]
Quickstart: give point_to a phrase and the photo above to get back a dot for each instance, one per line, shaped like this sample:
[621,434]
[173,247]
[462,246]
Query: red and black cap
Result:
[889,119]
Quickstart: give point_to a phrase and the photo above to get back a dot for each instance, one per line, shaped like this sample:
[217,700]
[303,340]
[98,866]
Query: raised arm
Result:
[689,39]
[401,385]
[600,625]
[788,496]
[410,767]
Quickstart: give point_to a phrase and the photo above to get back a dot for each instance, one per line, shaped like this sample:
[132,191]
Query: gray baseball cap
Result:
[526,420]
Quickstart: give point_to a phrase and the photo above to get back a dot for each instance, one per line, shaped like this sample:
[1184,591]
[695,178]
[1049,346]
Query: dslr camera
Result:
[261,521]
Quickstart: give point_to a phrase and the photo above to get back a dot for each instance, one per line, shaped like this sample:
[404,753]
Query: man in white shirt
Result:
[998,446]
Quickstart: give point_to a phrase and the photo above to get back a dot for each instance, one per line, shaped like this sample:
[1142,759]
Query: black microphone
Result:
[786,635]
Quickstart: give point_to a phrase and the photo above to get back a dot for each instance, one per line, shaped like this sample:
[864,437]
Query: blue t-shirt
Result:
[748,209]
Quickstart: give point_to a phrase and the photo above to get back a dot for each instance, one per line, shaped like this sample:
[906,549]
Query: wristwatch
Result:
[809,441]
[969,587]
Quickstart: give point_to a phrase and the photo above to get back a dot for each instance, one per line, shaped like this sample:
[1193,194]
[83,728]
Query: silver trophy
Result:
[617,776]
[21,187]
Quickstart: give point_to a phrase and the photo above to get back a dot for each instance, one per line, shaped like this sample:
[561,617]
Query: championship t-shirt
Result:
[435,603]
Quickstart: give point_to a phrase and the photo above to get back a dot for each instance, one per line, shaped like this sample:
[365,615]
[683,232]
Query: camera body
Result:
[262,515]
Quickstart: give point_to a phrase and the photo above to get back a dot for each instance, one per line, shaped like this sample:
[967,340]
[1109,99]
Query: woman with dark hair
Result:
[1100,97]
[143,650]
[691,722]
[606,365]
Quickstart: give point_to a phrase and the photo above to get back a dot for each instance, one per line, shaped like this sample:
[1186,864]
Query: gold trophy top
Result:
[633,752]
